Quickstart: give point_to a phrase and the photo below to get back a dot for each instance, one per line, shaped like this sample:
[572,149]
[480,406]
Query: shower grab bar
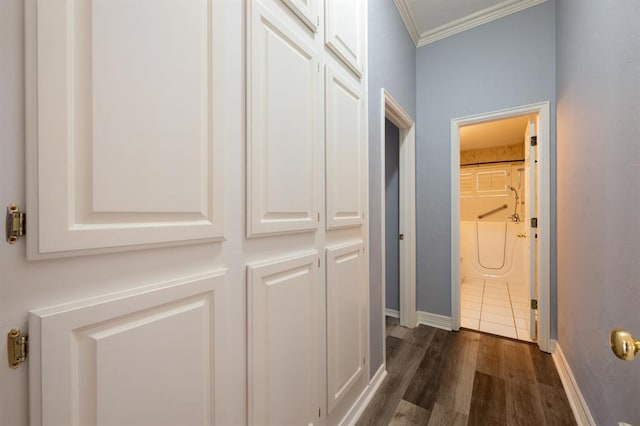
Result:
[502,207]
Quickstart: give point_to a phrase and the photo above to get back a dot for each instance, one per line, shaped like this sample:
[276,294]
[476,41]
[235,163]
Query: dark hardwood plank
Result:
[441,416]
[420,336]
[490,355]
[409,414]
[423,389]
[459,372]
[403,359]
[524,407]
[555,405]
[488,401]
[516,362]
[544,368]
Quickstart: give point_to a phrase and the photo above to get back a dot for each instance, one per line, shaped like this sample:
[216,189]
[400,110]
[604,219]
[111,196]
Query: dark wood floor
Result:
[435,377]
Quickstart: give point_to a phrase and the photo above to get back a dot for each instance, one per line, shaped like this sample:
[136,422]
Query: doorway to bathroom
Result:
[500,223]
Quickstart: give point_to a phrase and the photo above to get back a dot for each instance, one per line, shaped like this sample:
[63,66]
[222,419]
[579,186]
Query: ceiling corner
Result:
[406,13]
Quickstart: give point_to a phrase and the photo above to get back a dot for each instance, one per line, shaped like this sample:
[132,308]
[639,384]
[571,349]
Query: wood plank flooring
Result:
[435,377]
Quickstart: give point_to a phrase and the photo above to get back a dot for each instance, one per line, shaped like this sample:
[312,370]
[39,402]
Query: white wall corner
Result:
[434,320]
[576,400]
[409,22]
[365,398]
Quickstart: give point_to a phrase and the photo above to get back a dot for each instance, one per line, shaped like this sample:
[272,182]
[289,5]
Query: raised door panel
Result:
[306,10]
[344,147]
[284,341]
[282,125]
[124,137]
[344,32]
[346,328]
[152,355]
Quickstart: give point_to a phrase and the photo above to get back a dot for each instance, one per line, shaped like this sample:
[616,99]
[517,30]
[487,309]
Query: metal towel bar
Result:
[502,207]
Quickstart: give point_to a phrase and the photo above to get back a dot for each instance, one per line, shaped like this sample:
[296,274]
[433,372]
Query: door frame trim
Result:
[544,212]
[392,110]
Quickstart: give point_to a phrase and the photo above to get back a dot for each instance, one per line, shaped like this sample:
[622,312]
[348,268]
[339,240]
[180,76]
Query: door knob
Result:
[623,345]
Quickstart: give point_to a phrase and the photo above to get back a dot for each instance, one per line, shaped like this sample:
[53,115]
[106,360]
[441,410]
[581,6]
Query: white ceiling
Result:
[431,20]
[508,131]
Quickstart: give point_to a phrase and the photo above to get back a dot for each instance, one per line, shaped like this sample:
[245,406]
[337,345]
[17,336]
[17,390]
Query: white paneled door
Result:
[195,184]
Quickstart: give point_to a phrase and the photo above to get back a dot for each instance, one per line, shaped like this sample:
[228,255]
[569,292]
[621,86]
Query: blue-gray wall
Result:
[392,65]
[598,90]
[506,63]
[392,218]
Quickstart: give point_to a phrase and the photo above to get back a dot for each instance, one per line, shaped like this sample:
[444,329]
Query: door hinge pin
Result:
[16,224]
[17,347]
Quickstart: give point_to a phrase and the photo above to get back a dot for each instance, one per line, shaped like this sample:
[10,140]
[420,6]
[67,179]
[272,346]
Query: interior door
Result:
[124,282]
[530,196]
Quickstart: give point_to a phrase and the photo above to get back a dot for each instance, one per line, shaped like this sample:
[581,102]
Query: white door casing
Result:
[344,145]
[106,134]
[542,264]
[282,116]
[344,32]
[346,315]
[284,304]
[392,110]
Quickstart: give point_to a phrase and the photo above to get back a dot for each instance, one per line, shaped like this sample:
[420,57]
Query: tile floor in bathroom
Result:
[495,307]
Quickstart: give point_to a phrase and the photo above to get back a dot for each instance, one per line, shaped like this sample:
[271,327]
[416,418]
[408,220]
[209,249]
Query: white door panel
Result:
[346,328]
[125,152]
[344,32]
[306,10]
[344,140]
[282,128]
[148,356]
[284,304]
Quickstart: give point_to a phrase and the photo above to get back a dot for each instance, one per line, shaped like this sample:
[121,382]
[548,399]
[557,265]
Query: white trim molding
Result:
[434,320]
[392,110]
[473,20]
[392,313]
[576,400]
[544,213]
[365,398]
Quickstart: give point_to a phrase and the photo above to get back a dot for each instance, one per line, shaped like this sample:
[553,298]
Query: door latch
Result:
[16,224]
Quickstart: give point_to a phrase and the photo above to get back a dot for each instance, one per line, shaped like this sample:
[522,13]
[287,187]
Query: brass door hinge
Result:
[17,347]
[16,223]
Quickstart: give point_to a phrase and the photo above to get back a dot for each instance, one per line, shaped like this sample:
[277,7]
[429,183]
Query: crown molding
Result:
[409,22]
[489,14]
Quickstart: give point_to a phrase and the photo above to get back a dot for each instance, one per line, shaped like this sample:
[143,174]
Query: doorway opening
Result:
[500,223]
[404,236]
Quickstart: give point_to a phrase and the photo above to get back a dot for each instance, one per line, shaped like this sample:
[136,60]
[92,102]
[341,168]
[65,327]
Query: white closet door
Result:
[346,324]
[284,308]
[125,151]
[344,33]
[344,146]
[306,10]
[283,133]
[147,356]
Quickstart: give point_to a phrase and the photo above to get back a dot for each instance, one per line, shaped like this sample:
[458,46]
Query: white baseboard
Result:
[576,400]
[434,320]
[392,313]
[365,398]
